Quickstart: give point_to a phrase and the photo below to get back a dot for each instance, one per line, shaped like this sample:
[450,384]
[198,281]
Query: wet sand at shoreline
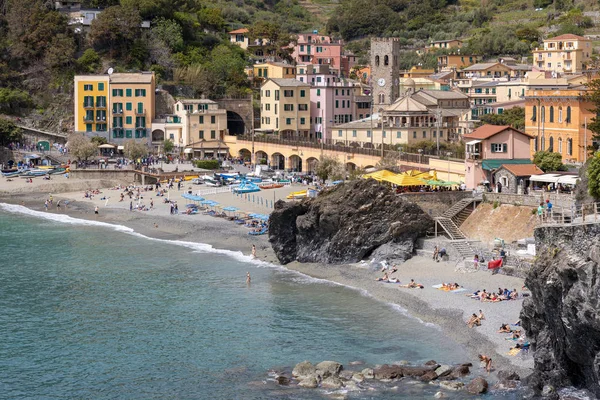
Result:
[446,310]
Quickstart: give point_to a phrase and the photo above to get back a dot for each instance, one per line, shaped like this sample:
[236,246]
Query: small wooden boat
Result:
[298,195]
[271,185]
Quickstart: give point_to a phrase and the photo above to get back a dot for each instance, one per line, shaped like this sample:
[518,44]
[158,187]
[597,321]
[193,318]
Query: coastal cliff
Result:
[347,223]
[561,317]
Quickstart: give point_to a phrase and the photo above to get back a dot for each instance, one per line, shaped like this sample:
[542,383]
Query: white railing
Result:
[216,190]
[582,214]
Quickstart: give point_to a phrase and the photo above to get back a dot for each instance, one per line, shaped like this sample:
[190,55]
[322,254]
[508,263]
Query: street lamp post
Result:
[449,154]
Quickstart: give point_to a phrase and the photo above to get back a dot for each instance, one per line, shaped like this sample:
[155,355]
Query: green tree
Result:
[169,32]
[61,52]
[116,29]
[593,176]
[330,168]
[9,132]
[14,101]
[593,96]
[99,140]
[514,117]
[81,147]
[168,146]
[276,39]
[134,150]
[549,161]
[89,62]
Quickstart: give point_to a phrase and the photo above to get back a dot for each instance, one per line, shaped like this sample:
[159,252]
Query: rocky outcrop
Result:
[561,317]
[347,223]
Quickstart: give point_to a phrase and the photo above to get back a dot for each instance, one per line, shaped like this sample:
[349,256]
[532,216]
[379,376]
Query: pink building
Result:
[332,100]
[488,148]
[312,48]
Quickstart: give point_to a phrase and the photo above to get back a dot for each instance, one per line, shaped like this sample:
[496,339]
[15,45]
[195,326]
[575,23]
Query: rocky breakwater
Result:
[347,223]
[562,316]
[331,375]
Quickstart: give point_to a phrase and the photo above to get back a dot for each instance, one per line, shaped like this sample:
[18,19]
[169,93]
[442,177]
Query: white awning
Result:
[547,178]
[120,147]
[568,180]
[472,142]
[188,150]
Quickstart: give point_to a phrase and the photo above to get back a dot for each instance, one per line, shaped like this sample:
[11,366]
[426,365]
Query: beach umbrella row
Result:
[262,217]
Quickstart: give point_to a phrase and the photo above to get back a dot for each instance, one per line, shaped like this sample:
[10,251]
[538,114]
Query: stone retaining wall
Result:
[435,203]
[126,175]
[530,200]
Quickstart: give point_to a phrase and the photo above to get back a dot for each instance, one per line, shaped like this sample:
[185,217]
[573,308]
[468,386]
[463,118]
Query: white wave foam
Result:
[202,248]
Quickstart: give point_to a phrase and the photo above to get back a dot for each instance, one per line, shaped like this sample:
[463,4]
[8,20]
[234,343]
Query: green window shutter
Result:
[88,127]
[128,92]
[505,148]
[128,120]
[128,133]
[101,86]
[140,107]
[114,92]
[128,106]
[201,119]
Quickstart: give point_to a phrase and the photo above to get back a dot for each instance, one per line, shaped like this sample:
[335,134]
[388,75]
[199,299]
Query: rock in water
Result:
[303,369]
[347,223]
[283,380]
[561,317]
[477,386]
[332,383]
[310,382]
[328,368]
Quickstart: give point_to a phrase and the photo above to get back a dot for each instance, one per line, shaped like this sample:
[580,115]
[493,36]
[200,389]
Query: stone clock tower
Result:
[385,72]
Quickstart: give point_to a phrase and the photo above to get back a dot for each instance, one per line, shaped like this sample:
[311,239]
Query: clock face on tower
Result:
[381,82]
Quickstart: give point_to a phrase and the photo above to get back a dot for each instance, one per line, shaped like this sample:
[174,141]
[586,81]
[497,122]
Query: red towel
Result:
[495,264]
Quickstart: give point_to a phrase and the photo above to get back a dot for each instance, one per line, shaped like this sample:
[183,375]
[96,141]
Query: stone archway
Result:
[311,164]
[369,166]
[245,155]
[350,166]
[235,123]
[295,163]
[261,157]
[278,161]
[158,135]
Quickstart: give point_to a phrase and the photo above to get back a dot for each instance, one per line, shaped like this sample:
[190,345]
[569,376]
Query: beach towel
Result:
[390,281]
[513,352]
[495,264]
[459,290]
[437,286]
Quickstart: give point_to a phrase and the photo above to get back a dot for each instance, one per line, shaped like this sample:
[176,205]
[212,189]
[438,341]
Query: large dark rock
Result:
[347,223]
[477,386]
[388,372]
[561,317]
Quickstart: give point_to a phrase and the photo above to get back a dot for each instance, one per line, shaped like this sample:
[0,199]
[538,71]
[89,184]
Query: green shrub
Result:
[207,164]
[496,204]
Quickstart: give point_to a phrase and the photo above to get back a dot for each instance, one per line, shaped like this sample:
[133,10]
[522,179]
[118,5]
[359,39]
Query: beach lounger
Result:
[262,232]
[388,281]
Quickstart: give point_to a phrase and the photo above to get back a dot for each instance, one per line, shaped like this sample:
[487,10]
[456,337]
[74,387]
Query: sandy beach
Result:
[446,311]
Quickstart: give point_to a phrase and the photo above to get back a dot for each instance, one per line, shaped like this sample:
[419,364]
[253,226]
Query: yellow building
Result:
[556,118]
[276,70]
[91,104]
[455,61]
[131,98]
[117,106]
[285,107]
[565,54]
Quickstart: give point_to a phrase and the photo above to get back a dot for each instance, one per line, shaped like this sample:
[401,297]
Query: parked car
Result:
[198,181]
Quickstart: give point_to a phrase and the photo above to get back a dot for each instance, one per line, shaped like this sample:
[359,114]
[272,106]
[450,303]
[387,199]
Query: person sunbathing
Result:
[385,278]
[514,295]
[413,285]
[481,316]
[474,321]
[454,286]
[504,329]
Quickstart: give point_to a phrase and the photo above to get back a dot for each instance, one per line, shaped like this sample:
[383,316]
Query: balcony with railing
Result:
[101,104]
[139,111]
[117,111]
[88,119]
[88,104]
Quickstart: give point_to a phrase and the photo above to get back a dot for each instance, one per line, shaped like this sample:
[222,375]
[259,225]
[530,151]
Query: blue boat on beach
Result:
[246,187]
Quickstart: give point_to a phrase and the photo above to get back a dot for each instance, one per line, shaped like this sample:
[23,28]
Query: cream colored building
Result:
[271,69]
[285,107]
[196,126]
[564,54]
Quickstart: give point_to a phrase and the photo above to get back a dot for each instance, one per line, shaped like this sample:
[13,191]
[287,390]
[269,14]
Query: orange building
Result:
[557,120]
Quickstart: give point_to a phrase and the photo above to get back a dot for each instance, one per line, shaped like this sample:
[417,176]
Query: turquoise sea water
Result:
[92,311]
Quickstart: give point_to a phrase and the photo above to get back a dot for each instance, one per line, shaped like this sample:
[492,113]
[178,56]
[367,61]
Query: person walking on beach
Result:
[436,253]
[253,251]
[96,210]
[58,205]
[46,205]
[486,362]
[248,279]
[131,206]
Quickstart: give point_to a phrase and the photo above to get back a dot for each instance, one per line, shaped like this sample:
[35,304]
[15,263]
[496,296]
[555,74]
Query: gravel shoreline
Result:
[447,311]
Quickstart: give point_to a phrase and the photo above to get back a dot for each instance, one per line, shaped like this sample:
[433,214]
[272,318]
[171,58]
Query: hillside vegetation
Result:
[188,44]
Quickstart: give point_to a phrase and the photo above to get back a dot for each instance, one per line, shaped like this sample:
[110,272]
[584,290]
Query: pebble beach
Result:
[444,311]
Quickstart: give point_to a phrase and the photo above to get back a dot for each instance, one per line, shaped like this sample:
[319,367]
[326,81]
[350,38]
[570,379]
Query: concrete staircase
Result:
[463,248]
[451,229]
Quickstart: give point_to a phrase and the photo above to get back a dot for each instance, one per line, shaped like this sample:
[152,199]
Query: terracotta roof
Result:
[522,169]
[487,131]
[241,30]
[568,36]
